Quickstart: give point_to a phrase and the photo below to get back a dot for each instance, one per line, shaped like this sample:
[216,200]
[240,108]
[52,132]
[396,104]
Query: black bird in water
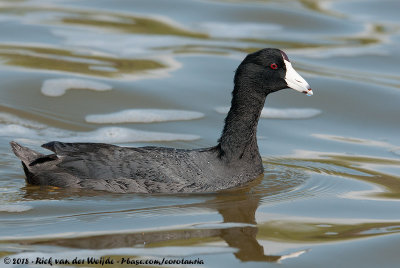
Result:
[234,161]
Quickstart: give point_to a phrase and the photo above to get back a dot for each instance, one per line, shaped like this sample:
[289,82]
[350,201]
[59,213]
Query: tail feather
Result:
[26,155]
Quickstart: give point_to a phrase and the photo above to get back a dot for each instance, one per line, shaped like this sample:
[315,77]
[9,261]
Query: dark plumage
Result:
[234,161]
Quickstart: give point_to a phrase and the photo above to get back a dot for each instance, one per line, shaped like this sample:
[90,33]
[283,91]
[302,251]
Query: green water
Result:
[330,193]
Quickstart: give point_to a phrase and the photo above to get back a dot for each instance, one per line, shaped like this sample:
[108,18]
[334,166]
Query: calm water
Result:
[91,70]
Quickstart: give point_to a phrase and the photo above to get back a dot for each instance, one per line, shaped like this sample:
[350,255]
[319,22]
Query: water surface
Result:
[139,73]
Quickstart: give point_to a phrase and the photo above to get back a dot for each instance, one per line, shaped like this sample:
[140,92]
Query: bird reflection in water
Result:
[238,228]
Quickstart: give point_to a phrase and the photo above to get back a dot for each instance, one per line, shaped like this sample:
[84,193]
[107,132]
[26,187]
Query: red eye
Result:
[274,66]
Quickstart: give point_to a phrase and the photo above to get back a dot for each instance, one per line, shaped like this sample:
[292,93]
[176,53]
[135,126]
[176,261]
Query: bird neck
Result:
[239,137]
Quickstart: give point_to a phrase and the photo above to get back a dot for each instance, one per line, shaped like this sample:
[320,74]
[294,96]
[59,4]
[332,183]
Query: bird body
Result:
[142,170]
[234,161]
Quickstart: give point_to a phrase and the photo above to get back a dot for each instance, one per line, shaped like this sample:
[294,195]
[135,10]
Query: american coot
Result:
[235,160]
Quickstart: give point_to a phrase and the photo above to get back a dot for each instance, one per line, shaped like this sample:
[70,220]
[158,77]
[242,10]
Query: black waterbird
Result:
[234,161]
